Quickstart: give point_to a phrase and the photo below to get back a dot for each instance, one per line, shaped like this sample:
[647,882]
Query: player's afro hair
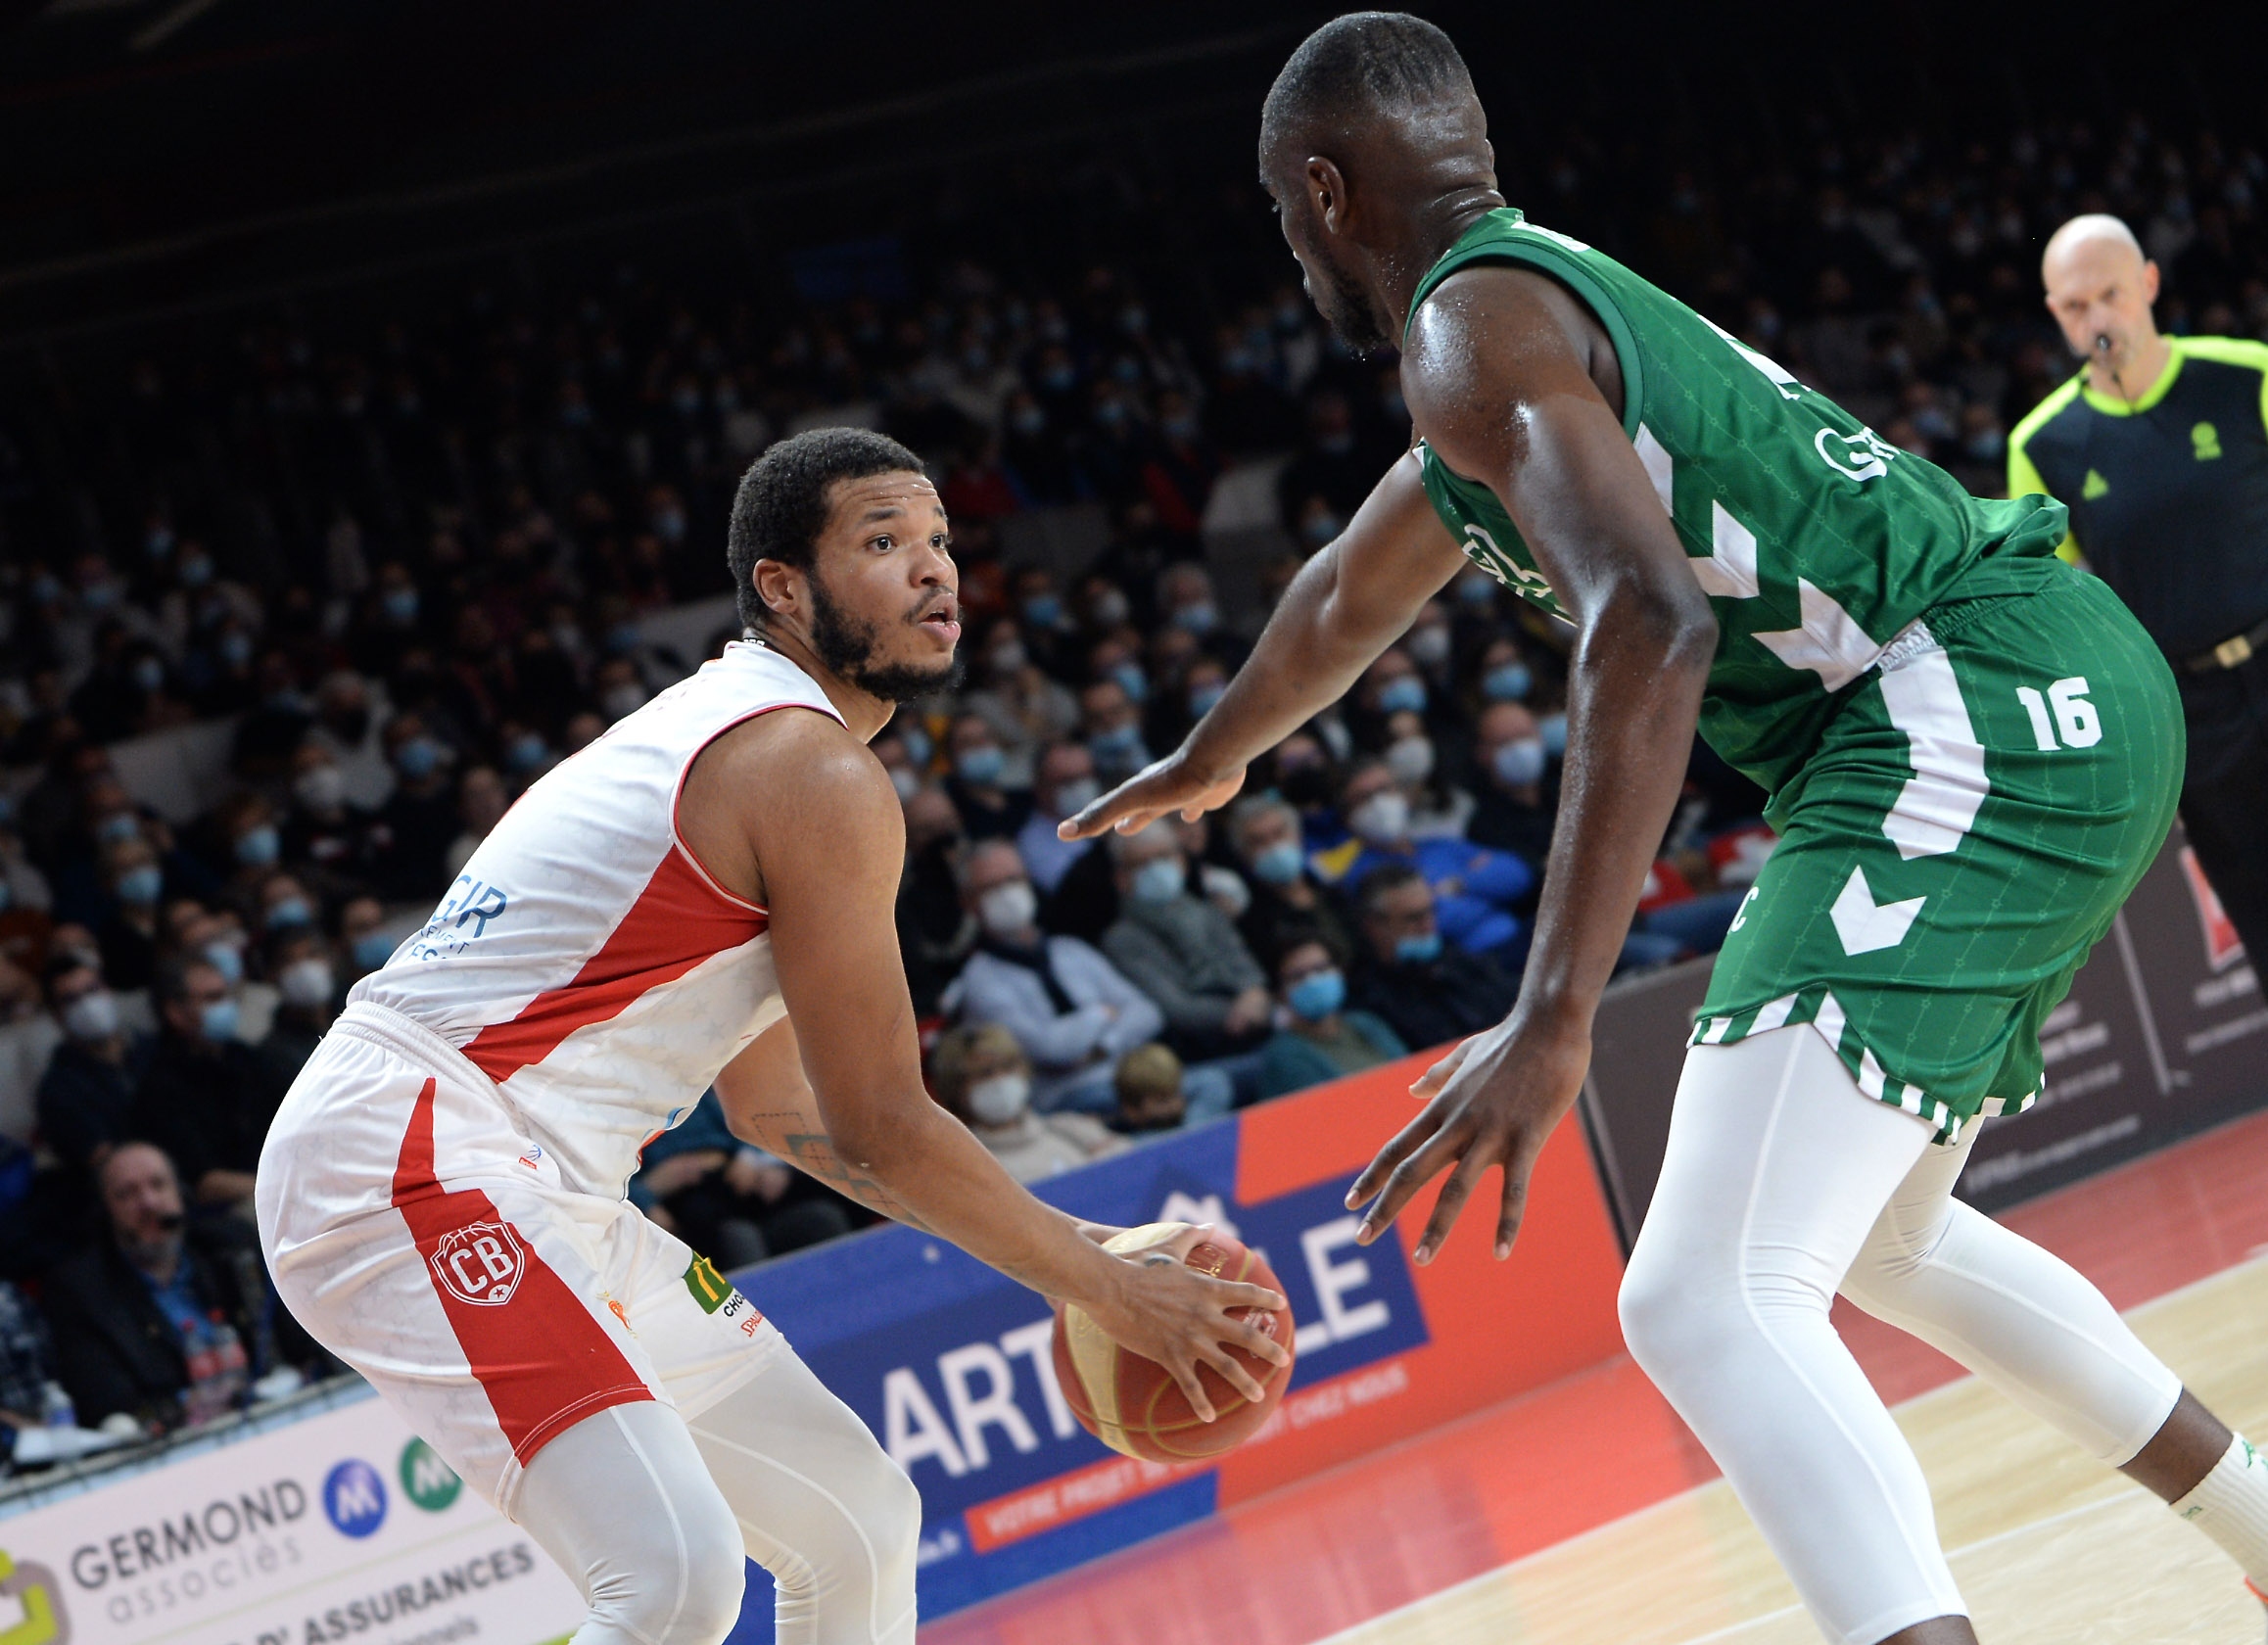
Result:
[782,506]
[1384,62]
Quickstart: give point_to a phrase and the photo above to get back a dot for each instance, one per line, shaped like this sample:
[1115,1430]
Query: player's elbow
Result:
[1654,624]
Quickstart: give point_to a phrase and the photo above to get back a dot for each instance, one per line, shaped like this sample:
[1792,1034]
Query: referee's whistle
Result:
[2103,342]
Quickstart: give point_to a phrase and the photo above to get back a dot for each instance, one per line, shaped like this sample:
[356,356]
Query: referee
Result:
[2159,449]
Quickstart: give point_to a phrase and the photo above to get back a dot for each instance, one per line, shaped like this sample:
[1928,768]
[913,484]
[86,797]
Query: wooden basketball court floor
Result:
[1585,1513]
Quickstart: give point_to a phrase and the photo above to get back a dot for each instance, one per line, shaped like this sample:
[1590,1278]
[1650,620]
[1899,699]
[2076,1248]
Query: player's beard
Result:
[846,643]
[1346,309]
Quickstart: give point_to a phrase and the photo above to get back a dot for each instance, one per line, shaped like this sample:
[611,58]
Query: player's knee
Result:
[1659,1316]
[888,1509]
[676,1580]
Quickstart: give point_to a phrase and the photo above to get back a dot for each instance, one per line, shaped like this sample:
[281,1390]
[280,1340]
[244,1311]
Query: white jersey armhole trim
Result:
[678,795]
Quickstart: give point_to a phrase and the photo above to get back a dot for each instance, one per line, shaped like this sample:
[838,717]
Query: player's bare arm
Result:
[1502,372]
[1349,603]
[792,812]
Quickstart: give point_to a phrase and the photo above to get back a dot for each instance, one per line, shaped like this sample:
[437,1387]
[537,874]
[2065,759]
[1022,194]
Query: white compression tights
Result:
[1782,1183]
[650,1515]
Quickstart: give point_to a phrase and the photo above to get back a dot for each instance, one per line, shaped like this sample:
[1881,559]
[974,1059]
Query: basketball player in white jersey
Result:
[704,895]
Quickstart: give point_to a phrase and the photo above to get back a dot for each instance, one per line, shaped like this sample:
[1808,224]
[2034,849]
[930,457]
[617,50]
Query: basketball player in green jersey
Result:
[1972,753]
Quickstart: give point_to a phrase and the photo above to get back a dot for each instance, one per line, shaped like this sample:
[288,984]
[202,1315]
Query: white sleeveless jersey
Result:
[585,961]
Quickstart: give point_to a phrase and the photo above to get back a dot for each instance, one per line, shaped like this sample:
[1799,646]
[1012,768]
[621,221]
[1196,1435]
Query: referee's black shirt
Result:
[2168,497]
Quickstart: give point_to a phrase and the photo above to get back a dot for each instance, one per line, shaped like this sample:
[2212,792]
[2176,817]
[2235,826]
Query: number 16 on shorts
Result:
[2063,718]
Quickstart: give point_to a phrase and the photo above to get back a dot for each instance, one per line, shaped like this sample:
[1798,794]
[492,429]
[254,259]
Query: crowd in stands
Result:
[408,568]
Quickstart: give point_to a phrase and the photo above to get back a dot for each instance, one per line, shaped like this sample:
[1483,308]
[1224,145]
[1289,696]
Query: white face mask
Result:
[1007,909]
[999,1100]
[1076,795]
[908,783]
[320,787]
[306,983]
[1411,759]
[1381,819]
[92,1017]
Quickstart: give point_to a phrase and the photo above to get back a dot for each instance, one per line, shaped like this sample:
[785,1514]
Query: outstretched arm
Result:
[1499,376]
[824,826]
[1353,599]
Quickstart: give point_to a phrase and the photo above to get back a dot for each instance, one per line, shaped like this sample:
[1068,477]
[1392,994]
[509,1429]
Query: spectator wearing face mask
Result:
[1184,952]
[978,782]
[982,1079]
[166,1322]
[1517,806]
[363,943]
[1320,1039]
[1438,808]
[1329,466]
[1026,709]
[1431,645]
[204,1097]
[1287,900]
[1392,684]
[1064,785]
[934,931]
[307,991]
[326,836]
[1188,603]
[1069,1007]
[1475,888]
[420,818]
[129,932]
[1112,722]
[85,1099]
[1407,977]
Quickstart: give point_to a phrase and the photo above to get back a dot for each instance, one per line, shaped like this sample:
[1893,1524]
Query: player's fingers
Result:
[1398,1148]
[1519,1164]
[1261,1343]
[1120,806]
[1233,1372]
[1429,1084]
[1185,1373]
[1412,1174]
[1449,1203]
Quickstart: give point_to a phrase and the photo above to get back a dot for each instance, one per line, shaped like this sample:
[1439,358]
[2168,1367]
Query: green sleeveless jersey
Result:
[1816,540]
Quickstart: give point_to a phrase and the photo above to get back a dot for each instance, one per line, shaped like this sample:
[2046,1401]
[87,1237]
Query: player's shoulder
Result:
[2059,399]
[799,755]
[2224,351]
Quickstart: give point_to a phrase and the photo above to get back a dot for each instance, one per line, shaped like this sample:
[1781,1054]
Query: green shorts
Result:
[1978,809]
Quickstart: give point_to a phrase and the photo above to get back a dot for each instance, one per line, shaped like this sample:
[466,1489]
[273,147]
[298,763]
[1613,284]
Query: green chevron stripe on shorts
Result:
[1980,804]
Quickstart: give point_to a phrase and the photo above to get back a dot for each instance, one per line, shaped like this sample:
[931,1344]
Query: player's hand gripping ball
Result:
[1133,1404]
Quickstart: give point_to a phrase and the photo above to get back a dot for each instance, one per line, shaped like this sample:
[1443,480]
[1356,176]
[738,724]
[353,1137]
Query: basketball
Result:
[1132,1404]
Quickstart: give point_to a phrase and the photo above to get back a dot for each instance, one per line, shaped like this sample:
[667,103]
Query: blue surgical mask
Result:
[980,766]
[1554,729]
[1132,681]
[1316,995]
[290,911]
[1202,697]
[527,752]
[236,648]
[399,605]
[1508,682]
[1279,864]
[1201,618]
[141,886]
[1159,880]
[118,825]
[223,957]
[1407,696]
[1043,611]
[1479,592]
[1418,951]
[1518,763]
[149,673]
[1114,748]
[918,747]
[219,1020]
[256,848]
[418,757]
[371,949]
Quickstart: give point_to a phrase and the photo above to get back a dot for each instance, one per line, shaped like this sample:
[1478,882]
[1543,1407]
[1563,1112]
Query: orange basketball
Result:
[1133,1404]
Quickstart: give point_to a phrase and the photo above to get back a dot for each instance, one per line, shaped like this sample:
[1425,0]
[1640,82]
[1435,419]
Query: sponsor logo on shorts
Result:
[481,1262]
[426,1479]
[31,1609]
[710,1289]
[354,1498]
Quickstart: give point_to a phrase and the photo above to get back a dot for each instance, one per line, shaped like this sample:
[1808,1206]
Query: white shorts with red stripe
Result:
[419,1233]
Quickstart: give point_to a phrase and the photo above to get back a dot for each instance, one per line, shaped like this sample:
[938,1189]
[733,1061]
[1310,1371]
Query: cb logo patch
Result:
[481,1263]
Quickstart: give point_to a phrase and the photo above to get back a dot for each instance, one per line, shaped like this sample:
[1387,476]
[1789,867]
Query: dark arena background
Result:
[374,385]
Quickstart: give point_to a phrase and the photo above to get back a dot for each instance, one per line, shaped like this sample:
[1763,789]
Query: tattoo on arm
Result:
[813,1153]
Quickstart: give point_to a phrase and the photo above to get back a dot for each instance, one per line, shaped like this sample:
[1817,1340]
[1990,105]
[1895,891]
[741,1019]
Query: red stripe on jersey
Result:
[680,919]
[544,1362]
